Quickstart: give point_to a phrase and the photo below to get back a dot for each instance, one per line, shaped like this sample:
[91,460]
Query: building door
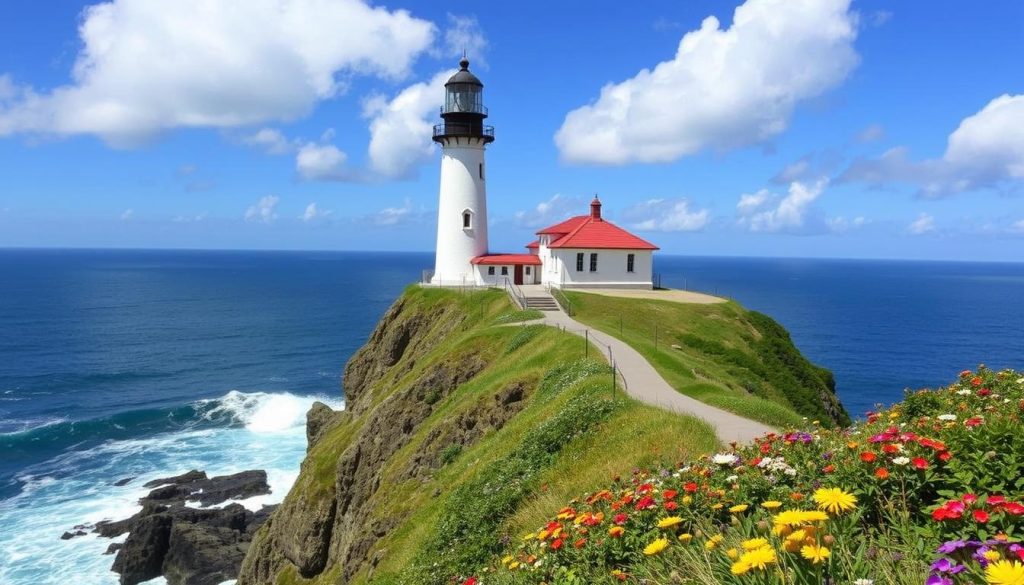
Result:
[518,276]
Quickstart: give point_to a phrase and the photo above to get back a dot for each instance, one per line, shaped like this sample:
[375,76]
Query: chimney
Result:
[595,209]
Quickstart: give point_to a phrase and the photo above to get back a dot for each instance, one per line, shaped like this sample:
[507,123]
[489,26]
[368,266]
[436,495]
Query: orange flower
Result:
[796,496]
[616,531]
[882,473]
[867,457]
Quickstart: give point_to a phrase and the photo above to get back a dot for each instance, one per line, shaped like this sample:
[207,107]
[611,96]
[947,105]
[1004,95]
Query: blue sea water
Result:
[119,364]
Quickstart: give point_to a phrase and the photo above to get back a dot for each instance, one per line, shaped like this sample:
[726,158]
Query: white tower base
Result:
[461,212]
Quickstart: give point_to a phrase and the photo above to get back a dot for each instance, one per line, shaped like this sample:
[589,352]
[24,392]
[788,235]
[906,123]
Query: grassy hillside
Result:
[462,431]
[722,354]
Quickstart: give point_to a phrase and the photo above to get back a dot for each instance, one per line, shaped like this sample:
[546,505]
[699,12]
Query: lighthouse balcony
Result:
[462,130]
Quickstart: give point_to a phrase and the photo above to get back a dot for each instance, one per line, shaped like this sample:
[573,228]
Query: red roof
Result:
[507,259]
[590,232]
[533,244]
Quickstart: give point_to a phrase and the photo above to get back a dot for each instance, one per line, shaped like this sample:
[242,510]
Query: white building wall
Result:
[462,189]
[498,279]
[560,268]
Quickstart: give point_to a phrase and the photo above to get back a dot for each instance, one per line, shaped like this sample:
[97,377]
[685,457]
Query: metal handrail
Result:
[561,299]
[471,110]
[457,129]
[516,292]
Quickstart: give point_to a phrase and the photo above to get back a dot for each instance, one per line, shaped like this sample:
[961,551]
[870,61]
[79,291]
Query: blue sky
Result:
[786,128]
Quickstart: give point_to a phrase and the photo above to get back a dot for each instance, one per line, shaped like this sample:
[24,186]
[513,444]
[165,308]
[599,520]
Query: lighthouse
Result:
[462,205]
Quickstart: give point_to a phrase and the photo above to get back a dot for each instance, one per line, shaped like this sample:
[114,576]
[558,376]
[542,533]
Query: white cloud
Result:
[666,215]
[723,89]
[314,213]
[401,128]
[390,216]
[465,36]
[986,151]
[264,211]
[146,66]
[556,209]
[321,162]
[765,211]
[127,215]
[841,224]
[922,225]
[270,140]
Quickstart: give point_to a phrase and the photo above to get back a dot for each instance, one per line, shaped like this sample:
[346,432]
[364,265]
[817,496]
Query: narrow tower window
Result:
[593,262]
[579,262]
[467,220]
[481,171]
[629,262]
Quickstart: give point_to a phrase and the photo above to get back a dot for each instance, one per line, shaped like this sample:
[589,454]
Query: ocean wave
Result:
[260,412]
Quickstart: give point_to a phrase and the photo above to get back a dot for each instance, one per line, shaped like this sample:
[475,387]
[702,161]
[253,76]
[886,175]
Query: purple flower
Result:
[938,580]
[951,546]
[942,565]
[827,455]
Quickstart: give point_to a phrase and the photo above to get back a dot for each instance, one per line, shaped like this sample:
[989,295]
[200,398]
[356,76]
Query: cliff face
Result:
[325,522]
[457,432]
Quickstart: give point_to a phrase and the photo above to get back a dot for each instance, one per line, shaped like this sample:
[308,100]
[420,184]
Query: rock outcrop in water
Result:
[188,545]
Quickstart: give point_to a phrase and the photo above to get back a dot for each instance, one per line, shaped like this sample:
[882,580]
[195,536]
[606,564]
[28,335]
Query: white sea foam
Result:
[260,431]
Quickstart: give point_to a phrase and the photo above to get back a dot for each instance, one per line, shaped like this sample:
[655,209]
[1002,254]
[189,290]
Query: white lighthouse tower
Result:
[462,205]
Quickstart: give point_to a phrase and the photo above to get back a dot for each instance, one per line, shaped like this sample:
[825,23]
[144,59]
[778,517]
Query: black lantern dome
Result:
[463,111]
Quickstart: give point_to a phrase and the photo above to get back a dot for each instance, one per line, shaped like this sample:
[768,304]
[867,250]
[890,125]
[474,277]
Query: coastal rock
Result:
[70,535]
[123,482]
[187,545]
[320,419]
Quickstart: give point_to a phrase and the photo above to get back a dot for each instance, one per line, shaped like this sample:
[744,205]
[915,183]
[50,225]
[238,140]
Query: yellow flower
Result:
[543,535]
[814,516]
[713,542]
[771,505]
[991,555]
[506,560]
[815,553]
[732,554]
[717,506]
[835,500]
[739,568]
[616,531]
[687,500]
[1005,573]
[530,536]
[795,518]
[794,541]
[656,547]
[669,522]
[685,537]
[738,508]
[513,565]
[759,558]
[754,543]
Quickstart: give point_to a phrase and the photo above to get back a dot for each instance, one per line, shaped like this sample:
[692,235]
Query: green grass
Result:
[722,354]
[569,437]
[519,316]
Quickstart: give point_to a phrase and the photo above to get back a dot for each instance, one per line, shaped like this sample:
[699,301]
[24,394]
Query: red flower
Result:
[580,543]
[690,487]
[973,421]
[669,494]
[620,518]
[645,503]
[984,392]
[969,499]
[945,456]
[995,500]
[470,581]
[981,516]
[890,449]
[556,544]
[670,506]
[829,468]
[882,473]
[867,457]
[919,462]
[1014,509]
[645,488]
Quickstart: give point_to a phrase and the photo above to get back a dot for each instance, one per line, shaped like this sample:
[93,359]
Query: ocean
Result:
[117,364]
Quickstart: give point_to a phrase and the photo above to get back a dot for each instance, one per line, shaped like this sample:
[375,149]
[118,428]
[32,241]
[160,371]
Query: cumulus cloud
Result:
[401,128]
[269,140]
[666,215]
[766,211]
[146,66]
[322,162]
[841,224]
[922,225]
[314,213]
[724,89]
[986,151]
[264,211]
[464,35]
[556,209]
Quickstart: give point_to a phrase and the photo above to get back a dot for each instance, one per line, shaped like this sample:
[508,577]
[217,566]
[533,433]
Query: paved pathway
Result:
[645,384]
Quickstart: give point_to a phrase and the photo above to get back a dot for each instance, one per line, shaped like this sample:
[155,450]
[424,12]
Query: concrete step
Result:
[541,303]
